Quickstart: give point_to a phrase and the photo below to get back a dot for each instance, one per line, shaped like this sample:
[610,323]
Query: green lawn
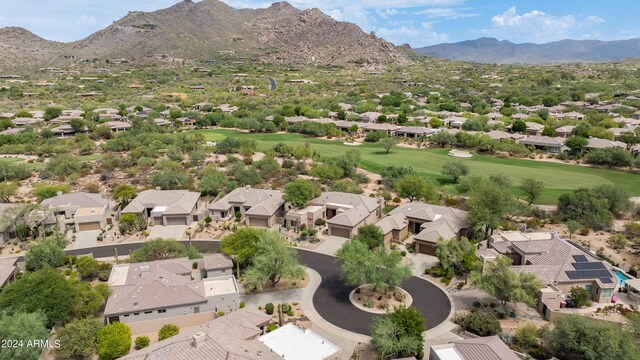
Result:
[40,165]
[558,178]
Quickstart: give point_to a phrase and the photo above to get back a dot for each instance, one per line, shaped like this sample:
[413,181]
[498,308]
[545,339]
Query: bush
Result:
[580,296]
[168,331]
[142,342]
[271,327]
[403,253]
[320,222]
[113,341]
[481,323]
[269,308]
[242,304]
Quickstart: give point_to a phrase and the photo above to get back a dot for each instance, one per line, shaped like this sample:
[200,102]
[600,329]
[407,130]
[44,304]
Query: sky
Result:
[416,22]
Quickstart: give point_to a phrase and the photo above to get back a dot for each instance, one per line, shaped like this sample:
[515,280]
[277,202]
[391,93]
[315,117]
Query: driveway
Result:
[330,245]
[175,232]
[86,239]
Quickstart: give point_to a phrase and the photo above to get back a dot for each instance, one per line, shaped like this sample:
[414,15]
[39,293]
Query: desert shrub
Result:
[269,308]
[142,342]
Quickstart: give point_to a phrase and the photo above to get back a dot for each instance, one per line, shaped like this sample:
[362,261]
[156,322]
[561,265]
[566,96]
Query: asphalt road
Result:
[331,300]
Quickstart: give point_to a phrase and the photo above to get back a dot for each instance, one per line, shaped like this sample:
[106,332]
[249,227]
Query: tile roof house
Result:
[345,212]
[413,131]
[551,144]
[534,128]
[8,270]
[8,217]
[428,223]
[164,288]
[168,207]
[237,336]
[264,208]
[565,131]
[482,348]
[502,135]
[84,211]
[24,121]
[117,126]
[557,263]
[597,143]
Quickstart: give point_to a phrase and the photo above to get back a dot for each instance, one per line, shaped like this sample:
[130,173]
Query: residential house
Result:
[167,207]
[66,131]
[385,128]
[117,126]
[455,122]
[565,131]
[597,143]
[8,270]
[345,212]
[237,336]
[11,131]
[370,117]
[83,211]
[264,208]
[501,135]
[426,223]
[162,122]
[166,288]
[534,128]
[217,265]
[550,144]
[480,348]
[570,115]
[413,131]
[295,119]
[618,132]
[8,215]
[557,263]
[24,121]
[226,108]
[346,125]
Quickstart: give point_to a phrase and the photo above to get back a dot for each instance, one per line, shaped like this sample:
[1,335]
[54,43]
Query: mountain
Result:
[187,30]
[21,49]
[490,50]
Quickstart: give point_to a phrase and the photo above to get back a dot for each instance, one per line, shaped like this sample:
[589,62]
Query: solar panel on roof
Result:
[606,280]
[580,258]
[589,266]
[588,274]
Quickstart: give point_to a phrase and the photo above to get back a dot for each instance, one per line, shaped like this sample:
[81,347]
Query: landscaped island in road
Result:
[558,178]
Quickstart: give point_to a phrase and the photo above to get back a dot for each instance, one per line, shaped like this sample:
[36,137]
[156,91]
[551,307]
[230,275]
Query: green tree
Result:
[113,341]
[213,183]
[348,186]
[617,241]
[387,143]
[414,187]
[377,267]
[392,174]
[273,261]
[500,282]
[87,266]
[576,144]
[457,257]
[488,205]
[572,227]
[455,169]
[77,339]
[527,336]
[519,126]
[51,113]
[371,235]
[168,331]
[299,192]
[124,193]
[170,179]
[435,123]
[398,334]
[7,190]
[160,249]
[442,138]
[481,323]
[611,157]
[61,166]
[49,253]
[585,206]
[87,299]
[580,296]
[616,196]
[22,327]
[43,290]
[326,172]
[242,244]
[532,189]
[579,337]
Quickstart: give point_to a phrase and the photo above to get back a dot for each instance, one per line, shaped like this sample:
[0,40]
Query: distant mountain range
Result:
[491,50]
[188,30]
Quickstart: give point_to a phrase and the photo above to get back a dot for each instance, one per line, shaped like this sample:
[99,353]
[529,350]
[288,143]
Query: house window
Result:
[162,311]
[223,214]
[148,312]
[126,315]
[589,288]
[136,314]
[223,270]
[135,304]
[606,292]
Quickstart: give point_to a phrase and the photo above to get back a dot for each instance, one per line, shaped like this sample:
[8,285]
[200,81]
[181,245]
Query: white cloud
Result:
[448,13]
[418,36]
[85,20]
[537,25]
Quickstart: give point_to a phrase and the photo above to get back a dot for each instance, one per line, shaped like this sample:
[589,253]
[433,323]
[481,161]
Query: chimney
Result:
[199,339]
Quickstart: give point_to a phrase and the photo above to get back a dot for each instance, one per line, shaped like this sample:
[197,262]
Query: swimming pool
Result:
[621,277]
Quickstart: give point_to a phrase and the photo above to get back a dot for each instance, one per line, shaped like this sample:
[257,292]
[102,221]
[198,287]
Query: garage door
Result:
[89,226]
[426,248]
[262,222]
[340,232]
[177,220]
